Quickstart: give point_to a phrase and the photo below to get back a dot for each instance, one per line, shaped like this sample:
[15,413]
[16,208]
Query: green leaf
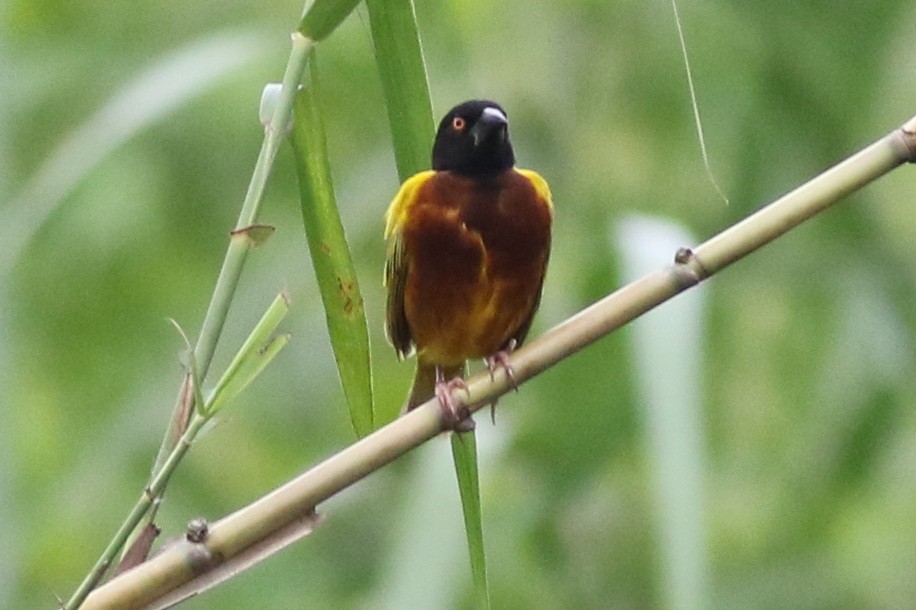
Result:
[399,57]
[257,352]
[323,16]
[464,452]
[334,267]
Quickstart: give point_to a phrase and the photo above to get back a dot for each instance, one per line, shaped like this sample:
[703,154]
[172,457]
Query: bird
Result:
[467,247]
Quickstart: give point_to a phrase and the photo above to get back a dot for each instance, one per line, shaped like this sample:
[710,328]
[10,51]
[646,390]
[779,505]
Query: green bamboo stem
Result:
[245,527]
[274,134]
[239,244]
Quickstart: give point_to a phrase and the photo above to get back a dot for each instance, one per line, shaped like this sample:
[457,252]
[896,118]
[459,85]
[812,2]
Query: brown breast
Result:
[477,251]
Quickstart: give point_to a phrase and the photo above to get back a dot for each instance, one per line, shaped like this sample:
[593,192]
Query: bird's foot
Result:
[501,360]
[457,416]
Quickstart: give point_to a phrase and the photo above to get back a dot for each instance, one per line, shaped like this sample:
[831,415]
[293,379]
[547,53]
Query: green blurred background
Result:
[806,474]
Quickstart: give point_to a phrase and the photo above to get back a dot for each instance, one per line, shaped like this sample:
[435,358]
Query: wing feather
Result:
[397,264]
[543,192]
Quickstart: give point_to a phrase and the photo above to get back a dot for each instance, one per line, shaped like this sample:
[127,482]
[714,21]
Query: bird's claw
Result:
[501,360]
[457,416]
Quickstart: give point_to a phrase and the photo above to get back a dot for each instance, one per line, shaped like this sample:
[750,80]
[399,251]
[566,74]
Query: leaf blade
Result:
[258,350]
[464,453]
[334,268]
[323,16]
[399,56]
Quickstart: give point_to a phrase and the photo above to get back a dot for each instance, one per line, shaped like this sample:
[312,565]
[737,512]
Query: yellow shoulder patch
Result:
[540,185]
[395,279]
[403,201]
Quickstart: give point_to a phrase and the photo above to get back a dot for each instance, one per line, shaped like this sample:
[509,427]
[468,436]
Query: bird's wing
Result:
[540,186]
[543,192]
[519,335]
[396,264]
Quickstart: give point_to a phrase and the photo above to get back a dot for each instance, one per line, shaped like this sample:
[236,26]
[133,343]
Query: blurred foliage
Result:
[810,477]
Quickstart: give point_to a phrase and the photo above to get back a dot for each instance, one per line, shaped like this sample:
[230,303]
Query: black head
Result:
[473,139]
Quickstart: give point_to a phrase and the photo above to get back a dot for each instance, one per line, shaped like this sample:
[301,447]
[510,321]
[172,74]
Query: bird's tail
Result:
[424,382]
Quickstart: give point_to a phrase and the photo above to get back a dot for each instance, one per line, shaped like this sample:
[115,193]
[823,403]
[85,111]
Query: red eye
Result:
[458,123]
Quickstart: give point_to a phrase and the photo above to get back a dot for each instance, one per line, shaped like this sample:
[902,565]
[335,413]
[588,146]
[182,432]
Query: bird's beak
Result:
[490,121]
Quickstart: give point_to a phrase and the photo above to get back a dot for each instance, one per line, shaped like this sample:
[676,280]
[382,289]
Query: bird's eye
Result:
[458,123]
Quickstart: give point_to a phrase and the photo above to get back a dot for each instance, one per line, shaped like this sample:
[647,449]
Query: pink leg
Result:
[497,360]
[456,414]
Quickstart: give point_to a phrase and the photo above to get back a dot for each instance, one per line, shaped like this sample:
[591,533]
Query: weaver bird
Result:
[468,243]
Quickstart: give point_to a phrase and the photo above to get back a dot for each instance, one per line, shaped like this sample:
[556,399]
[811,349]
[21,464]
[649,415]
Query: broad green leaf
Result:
[323,16]
[257,352]
[334,268]
[399,57]
[464,452]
